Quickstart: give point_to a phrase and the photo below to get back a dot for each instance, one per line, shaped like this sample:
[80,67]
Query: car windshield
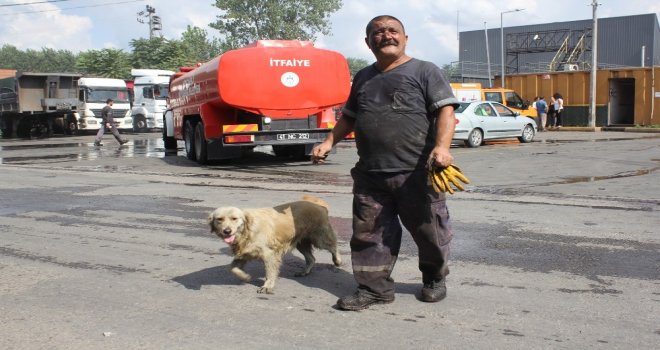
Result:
[461,107]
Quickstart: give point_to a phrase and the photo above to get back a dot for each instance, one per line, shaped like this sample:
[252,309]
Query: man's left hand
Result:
[441,156]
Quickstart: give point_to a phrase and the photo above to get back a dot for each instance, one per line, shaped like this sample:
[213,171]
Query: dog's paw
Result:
[301,274]
[264,290]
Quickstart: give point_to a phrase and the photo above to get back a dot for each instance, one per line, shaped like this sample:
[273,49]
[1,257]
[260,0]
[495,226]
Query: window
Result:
[513,100]
[503,111]
[484,110]
[493,96]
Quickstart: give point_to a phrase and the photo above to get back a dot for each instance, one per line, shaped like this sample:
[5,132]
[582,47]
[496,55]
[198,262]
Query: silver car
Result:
[478,121]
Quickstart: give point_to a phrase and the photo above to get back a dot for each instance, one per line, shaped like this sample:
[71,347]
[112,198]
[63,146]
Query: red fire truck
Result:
[283,93]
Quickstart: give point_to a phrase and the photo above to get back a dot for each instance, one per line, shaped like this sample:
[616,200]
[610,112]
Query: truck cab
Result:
[92,94]
[466,92]
[151,91]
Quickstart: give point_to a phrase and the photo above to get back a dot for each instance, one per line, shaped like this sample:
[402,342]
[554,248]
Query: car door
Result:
[488,119]
[508,123]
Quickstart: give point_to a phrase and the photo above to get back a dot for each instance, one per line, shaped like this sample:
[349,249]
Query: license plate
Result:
[293,136]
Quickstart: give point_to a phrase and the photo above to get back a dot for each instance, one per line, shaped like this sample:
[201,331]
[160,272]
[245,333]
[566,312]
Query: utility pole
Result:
[154,22]
[490,82]
[594,67]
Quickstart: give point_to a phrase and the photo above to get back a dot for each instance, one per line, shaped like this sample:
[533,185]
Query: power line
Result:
[32,3]
[70,8]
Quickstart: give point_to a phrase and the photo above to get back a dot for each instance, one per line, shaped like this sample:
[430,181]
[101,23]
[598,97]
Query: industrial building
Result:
[553,57]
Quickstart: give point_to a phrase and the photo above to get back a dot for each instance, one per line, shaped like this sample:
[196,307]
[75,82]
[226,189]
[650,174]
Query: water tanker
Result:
[282,93]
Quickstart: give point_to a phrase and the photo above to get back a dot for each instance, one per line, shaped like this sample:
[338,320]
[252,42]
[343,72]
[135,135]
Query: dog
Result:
[269,233]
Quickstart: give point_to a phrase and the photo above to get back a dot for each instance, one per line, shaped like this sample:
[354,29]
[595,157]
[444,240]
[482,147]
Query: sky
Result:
[431,25]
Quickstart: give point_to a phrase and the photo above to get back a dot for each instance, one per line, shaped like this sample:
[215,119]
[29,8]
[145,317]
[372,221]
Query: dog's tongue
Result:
[229,239]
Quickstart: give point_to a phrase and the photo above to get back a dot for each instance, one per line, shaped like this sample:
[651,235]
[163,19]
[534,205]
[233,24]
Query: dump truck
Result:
[280,93]
[38,104]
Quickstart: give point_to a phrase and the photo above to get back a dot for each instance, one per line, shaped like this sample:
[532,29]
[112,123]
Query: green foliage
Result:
[45,61]
[356,64]
[245,21]
[105,63]
[197,47]
[451,72]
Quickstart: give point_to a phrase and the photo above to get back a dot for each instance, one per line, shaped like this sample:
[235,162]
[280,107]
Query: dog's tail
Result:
[315,200]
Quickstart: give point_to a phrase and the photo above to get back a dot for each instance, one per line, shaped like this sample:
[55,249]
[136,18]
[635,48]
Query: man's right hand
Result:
[320,152]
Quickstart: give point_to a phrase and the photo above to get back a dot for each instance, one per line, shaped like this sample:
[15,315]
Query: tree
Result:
[451,72]
[105,63]
[245,21]
[158,53]
[355,64]
[197,47]
[45,61]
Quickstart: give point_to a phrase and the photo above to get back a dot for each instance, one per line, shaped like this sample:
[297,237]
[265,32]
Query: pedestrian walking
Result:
[107,121]
[402,111]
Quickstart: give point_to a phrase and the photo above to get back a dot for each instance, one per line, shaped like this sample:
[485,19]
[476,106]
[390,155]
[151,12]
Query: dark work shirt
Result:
[106,114]
[395,114]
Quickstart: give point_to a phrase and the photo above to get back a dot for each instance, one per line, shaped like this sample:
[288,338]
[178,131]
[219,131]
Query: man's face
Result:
[387,39]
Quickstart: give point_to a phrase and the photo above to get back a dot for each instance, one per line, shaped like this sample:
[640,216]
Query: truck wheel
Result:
[168,141]
[70,125]
[475,139]
[189,139]
[200,144]
[139,123]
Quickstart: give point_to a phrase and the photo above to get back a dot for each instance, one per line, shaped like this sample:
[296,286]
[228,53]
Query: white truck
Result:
[151,90]
[92,95]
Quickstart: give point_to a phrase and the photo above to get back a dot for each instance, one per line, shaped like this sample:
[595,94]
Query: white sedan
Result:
[478,121]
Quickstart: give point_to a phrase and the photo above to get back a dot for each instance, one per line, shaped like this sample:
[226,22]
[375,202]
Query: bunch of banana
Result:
[442,178]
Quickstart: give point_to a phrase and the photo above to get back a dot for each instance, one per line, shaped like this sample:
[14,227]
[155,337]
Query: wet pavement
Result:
[556,245]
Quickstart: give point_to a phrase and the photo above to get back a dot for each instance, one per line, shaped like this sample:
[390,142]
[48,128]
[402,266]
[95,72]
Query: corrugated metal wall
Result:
[620,41]
[574,87]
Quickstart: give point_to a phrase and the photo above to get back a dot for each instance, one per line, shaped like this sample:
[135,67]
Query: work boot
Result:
[360,301]
[434,291]
[98,143]
[121,142]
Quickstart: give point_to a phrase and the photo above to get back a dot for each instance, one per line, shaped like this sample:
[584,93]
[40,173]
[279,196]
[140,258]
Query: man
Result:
[107,121]
[402,112]
[541,112]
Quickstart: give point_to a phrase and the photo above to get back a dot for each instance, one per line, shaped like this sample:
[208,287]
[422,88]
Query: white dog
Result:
[269,233]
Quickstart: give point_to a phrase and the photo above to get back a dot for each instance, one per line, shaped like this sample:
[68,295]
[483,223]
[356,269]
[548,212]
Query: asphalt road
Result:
[557,246]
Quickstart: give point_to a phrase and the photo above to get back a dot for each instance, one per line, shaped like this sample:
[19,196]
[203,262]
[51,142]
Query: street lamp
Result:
[502,38]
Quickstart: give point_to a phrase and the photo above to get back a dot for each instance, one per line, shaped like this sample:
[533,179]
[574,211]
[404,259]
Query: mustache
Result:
[388,42]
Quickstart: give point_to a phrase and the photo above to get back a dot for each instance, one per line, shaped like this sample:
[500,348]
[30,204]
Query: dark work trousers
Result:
[113,129]
[379,201]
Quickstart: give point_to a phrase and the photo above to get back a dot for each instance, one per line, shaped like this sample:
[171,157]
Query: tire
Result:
[189,138]
[140,123]
[527,134]
[475,139]
[168,141]
[200,144]
[70,125]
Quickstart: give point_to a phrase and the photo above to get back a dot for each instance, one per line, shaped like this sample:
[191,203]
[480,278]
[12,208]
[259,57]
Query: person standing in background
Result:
[559,107]
[541,109]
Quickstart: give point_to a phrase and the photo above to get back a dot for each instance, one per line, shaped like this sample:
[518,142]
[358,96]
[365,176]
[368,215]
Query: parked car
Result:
[478,121]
